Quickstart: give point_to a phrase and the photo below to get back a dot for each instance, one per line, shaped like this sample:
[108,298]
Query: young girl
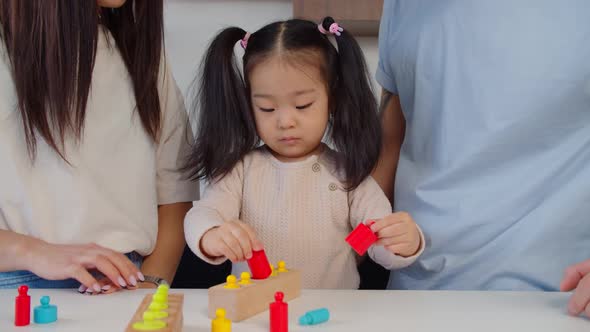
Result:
[293,196]
[92,128]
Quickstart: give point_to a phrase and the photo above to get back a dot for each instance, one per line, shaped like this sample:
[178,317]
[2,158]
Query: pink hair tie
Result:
[244,41]
[334,29]
[322,30]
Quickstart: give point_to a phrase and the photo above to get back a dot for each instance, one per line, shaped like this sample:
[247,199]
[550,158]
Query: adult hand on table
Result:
[577,278]
[109,287]
[58,262]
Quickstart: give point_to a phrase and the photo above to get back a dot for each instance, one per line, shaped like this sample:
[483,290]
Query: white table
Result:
[359,311]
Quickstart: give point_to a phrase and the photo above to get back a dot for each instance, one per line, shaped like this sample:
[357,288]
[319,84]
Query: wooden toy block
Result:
[249,300]
[174,321]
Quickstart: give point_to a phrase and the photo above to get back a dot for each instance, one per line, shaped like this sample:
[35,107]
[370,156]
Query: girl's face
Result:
[110,3]
[290,108]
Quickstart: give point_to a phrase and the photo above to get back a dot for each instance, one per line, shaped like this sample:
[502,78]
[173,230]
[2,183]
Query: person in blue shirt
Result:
[486,123]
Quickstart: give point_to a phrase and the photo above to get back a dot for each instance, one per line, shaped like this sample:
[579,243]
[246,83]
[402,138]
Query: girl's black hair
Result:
[226,127]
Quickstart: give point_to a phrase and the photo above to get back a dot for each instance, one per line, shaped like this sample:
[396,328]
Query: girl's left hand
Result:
[398,233]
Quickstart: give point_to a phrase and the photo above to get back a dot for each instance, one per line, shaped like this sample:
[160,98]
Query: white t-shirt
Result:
[118,174]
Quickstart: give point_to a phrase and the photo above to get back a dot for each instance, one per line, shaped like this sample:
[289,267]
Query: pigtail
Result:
[226,130]
[356,129]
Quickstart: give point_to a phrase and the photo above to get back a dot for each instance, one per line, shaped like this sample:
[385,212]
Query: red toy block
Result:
[279,314]
[361,238]
[259,265]
[22,307]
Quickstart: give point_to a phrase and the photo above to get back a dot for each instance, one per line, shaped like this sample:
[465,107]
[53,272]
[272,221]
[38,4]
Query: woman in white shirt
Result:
[93,133]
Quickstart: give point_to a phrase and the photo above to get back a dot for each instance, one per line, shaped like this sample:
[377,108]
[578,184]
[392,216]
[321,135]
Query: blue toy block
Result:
[45,313]
[315,317]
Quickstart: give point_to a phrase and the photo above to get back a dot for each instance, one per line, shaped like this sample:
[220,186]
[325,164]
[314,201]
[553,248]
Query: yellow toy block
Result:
[245,279]
[220,323]
[282,267]
[231,282]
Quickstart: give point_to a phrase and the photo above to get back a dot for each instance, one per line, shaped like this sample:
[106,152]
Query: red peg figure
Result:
[259,265]
[22,307]
[279,314]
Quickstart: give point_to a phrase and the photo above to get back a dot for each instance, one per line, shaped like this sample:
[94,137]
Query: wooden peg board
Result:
[249,300]
[174,321]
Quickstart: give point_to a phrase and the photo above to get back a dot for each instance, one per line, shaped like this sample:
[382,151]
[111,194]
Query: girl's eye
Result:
[304,106]
[266,109]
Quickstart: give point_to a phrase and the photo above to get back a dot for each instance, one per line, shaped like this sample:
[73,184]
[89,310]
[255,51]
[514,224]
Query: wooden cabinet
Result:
[361,17]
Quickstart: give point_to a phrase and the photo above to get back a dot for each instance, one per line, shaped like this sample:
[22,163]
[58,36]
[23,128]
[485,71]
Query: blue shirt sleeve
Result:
[384,73]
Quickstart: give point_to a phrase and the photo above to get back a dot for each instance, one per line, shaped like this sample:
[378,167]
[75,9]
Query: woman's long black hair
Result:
[226,127]
[51,46]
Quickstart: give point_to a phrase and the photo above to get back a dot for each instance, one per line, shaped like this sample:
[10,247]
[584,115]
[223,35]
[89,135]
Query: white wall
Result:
[190,25]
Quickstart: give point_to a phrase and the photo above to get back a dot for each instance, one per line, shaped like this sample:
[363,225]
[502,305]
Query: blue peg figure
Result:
[45,313]
[315,317]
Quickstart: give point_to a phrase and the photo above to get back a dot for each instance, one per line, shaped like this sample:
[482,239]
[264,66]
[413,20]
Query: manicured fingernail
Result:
[96,288]
[248,256]
[132,280]
[82,289]
[122,282]
[89,291]
[106,287]
[140,276]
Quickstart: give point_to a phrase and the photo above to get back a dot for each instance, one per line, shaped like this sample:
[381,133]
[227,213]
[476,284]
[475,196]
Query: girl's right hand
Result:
[59,262]
[234,240]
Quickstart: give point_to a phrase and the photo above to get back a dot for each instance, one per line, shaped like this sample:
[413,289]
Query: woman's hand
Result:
[58,262]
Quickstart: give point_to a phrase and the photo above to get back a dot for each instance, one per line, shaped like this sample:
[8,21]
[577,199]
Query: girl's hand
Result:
[234,240]
[398,233]
[59,262]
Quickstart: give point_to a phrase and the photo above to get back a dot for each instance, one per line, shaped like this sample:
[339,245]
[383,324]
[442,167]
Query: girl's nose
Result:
[286,119]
